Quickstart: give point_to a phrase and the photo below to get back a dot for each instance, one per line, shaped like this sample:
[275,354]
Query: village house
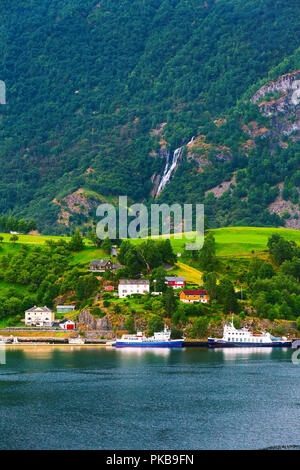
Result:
[133,286]
[66,324]
[175,282]
[100,265]
[39,316]
[191,296]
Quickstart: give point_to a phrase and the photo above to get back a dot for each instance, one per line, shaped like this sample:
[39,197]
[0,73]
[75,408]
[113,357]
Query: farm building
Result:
[175,282]
[65,308]
[191,296]
[67,324]
[100,265]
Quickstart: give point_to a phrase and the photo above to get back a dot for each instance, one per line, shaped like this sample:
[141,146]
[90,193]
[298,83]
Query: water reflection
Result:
[142,351]
[244,353]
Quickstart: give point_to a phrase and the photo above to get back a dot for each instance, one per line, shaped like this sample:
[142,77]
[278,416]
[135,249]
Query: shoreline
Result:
[18,345]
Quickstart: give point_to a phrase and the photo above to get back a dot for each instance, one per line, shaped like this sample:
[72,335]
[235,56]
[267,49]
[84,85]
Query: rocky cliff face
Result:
[280,102]
[102,326]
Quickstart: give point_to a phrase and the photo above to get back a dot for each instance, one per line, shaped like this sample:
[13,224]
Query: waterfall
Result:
[168,171]
[169,168]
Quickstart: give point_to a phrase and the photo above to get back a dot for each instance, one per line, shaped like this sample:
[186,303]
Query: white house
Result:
[133,286]
[67,324]
[175,282]
[39,316]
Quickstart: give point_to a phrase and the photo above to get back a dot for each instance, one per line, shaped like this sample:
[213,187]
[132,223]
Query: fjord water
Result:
[91,398]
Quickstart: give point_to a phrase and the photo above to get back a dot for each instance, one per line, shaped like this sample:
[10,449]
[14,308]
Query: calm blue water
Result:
[89,398]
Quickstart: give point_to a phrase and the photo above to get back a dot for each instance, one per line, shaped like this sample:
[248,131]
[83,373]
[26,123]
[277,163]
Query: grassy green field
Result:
[31,239]
[238,241]
[230,241]
[85,256]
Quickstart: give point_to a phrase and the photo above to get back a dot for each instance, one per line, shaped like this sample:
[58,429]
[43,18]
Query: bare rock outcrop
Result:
[280,101]
[101,325]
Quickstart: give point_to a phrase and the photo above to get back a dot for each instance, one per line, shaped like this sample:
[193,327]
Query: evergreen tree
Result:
[106,245]
[210,284]
[207,255]
[76,242]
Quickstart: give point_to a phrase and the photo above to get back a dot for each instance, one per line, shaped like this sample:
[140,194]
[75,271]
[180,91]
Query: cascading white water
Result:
[168,171]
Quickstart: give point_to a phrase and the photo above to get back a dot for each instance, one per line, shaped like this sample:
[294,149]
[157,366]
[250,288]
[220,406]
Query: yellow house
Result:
[191,296]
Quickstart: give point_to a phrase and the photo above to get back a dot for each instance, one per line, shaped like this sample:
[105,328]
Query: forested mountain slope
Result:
[98,92]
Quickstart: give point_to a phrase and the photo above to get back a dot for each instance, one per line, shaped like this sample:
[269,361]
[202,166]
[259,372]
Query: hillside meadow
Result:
[238,241]
[230,242]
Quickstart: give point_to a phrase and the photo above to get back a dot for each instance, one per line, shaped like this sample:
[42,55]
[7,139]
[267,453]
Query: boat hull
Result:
[226,344]
[150,344]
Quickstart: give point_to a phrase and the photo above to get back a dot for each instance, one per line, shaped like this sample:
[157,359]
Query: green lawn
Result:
[238,241]
[230,241]
[32,239]
[87,255]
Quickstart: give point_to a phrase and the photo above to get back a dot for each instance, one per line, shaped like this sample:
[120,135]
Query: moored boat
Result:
[76,341]
[5,341]
[160,339]
[243,337]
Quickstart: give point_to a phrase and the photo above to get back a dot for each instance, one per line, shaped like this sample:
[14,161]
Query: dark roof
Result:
[194,292]
[65,320]
[101,262]
[134,281]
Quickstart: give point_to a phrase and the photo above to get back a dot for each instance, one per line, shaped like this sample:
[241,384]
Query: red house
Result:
[175,282]
[109,288]
[66,324]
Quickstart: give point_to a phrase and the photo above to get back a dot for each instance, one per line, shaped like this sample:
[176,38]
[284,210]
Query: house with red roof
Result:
[191,296]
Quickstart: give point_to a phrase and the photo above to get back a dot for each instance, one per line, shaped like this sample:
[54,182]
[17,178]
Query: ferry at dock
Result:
[161,339]
[233,337]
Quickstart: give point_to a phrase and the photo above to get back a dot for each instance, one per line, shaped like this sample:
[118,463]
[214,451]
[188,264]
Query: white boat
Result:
[76,341]
[243,337]
[5,341]
[161,339]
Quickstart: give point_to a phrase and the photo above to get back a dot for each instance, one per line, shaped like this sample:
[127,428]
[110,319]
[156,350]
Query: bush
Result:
[200,327]
[97,312]
[129,325]
[155,324]
[176,333]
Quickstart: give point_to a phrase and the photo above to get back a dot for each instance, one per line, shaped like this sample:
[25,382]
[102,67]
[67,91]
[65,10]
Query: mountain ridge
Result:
[88,83]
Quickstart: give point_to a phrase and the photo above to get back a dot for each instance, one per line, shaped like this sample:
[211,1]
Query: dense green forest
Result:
[88,82]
